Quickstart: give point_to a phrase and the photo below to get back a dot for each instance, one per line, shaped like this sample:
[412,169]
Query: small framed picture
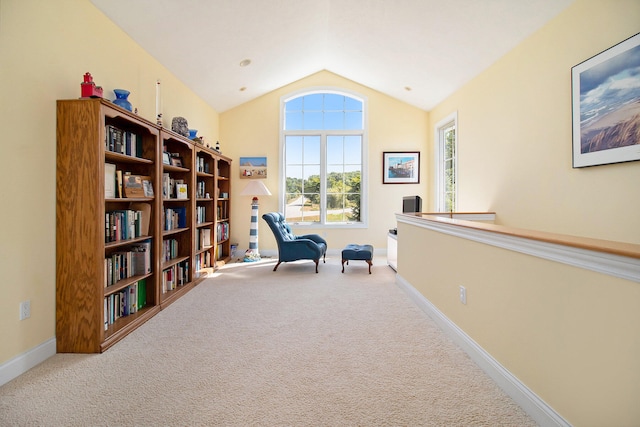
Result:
[253,167]
[166,159]
[147,186]
[401,167]
[176,161]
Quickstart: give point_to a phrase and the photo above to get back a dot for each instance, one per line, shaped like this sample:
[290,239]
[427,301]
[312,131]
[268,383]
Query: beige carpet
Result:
[251,347]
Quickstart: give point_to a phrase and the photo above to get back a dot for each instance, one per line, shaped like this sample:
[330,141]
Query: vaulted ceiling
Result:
[418,51]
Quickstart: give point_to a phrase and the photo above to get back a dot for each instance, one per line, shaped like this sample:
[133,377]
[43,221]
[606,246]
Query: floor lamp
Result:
[255,188]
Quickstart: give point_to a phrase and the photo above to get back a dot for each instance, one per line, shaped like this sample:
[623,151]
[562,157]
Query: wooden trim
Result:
[617,259]
[607,246]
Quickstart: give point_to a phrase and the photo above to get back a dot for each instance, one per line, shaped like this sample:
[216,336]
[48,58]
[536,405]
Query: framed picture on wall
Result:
[253,167]
[401,167]
[606,106]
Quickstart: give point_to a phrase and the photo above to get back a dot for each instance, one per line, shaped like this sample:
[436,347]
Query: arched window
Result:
[323,155]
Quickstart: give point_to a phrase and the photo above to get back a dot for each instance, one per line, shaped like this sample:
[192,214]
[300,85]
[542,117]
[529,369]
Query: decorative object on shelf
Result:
[180,126]
[401,167]
[604,126]
[122,100]
[218,146]
[88,88]
[158,104]
[253,167]
[255,189]
[193,133]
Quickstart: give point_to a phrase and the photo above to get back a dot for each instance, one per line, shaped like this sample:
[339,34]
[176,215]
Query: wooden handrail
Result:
[605,246]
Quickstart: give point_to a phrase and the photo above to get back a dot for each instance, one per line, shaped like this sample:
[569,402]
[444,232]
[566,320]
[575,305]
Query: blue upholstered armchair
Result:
[292,247]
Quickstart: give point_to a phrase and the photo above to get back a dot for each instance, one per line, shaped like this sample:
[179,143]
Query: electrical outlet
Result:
[25,310]
[463,294]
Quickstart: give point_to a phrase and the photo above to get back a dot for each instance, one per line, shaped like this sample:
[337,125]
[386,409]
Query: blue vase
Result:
[121,99]
[193,133]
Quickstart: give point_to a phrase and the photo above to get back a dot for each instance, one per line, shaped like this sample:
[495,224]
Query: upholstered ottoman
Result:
[357,252]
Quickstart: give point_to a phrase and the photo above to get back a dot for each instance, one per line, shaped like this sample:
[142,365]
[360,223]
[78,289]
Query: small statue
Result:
[180,126]
[218,146]
[89,89]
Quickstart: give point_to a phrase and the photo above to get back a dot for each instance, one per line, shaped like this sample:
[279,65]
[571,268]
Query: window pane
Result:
[312,150]
[335,181]
[311,179]
[335,150]
[333,120]
[333,102]
[311,207]
[352,104]
[294,104]
[353,120]
[293,120]
[312,120]
[313,102]
[353,149]
[293,150]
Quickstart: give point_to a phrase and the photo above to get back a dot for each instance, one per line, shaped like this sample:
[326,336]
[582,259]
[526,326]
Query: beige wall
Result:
[46,47]
[252,129]
[569,334]
[515,133]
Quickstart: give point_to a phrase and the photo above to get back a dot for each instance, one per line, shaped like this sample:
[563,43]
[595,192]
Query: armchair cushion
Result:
[292,247]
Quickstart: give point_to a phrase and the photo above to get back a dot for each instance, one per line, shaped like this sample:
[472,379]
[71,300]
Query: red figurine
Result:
[89,88]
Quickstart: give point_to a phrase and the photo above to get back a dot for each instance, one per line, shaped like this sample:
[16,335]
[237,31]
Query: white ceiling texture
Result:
[418,51]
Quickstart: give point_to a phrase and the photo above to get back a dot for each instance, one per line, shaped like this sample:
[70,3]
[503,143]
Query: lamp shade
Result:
[255,188]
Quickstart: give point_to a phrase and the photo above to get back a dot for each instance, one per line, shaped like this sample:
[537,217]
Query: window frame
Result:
[440,127]
[323,133]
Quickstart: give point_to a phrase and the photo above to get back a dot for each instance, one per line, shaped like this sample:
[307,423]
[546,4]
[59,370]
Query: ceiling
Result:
[418,51]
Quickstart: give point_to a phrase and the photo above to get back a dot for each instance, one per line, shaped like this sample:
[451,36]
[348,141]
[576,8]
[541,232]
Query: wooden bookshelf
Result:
[111,259]
[83,244]
[223,211]
[204,242]
[177,214]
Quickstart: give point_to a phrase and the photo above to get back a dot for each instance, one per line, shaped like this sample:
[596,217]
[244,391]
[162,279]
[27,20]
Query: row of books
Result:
[174,218]
[203,238]
[203,260]
[121,184]
[222,231]
[177,275]
[222,210]
[121,141]
[121,265]
[169,249]
[220,254]
[124,224]
[201,191]
[173,188]
[201,214]
[202,165]
[125,302]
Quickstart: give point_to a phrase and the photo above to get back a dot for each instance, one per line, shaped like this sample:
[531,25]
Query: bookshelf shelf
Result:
[111,273]
[121,284]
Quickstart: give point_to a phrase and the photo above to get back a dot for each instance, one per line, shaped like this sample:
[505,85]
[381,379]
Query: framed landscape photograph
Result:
[253,167]
[606,106]
[400,167]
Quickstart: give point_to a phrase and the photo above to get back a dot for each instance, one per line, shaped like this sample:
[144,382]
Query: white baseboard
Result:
[22,363]
[533,405]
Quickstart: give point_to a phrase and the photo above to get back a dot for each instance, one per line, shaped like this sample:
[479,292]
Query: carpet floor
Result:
[252,347]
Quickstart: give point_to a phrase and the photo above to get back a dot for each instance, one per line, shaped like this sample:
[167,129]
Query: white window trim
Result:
[364,183]
[438,157]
